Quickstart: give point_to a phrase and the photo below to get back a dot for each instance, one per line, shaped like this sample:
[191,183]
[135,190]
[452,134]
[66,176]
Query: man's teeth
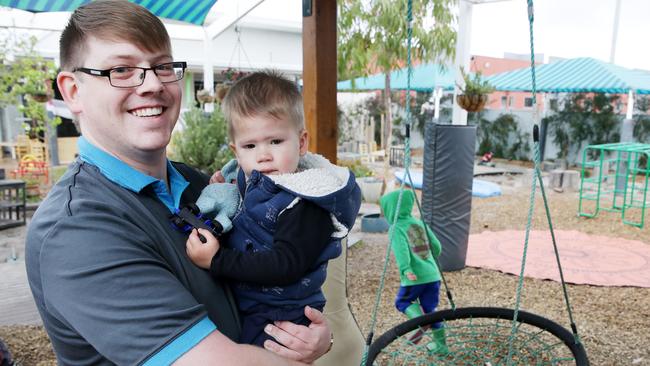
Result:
[147,112]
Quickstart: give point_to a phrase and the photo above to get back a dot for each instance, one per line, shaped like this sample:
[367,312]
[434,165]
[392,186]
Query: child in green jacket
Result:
[419,275]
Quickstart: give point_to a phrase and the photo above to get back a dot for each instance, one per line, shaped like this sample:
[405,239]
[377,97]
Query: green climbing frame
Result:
[614,177]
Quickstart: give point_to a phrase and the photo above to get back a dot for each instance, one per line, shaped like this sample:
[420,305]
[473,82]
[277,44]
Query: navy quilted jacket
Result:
[265,197]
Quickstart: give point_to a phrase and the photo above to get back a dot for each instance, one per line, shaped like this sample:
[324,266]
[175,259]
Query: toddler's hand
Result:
[201,253]
[411,276]
[217,177]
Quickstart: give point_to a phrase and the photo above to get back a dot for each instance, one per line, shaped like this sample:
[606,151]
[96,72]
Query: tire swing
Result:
[486,336]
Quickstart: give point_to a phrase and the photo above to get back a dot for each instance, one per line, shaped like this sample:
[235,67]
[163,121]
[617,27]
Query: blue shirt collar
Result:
[125,176]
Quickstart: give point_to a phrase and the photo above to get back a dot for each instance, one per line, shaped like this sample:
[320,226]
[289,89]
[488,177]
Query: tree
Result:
[26,80]
[373,36]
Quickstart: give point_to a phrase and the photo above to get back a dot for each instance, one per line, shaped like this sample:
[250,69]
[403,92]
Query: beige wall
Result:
[67,149]
[494,65]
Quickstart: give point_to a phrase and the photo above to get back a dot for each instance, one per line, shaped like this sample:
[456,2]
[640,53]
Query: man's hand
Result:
[298,342]
[201,253]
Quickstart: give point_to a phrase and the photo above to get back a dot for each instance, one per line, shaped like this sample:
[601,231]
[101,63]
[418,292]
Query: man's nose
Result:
[151,83]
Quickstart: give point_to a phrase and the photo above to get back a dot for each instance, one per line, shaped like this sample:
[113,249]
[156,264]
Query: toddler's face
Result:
[269,145]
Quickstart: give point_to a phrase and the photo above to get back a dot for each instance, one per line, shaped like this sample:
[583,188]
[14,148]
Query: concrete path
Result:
[16,302]
[481,170]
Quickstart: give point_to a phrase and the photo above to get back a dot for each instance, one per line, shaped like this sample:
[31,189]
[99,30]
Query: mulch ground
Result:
[613,322]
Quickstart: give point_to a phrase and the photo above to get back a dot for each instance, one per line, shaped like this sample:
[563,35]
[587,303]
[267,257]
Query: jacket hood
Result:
[388,203]
[331,187]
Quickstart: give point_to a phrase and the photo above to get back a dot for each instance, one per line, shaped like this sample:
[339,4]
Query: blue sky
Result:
[565,28]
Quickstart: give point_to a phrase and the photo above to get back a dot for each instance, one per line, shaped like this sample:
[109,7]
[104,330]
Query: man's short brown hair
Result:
[263,93]
[111,20]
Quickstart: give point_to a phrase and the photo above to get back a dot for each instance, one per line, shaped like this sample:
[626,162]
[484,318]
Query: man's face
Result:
[130,123]
[271,146]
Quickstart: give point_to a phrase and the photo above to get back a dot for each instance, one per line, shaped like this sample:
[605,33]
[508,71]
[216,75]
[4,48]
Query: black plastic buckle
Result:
[189,217]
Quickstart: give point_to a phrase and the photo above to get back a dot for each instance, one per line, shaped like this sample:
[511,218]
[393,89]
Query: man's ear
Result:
[303,140]
[67,83]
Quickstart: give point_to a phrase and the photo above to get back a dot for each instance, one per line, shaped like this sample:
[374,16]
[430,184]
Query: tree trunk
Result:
[388,125]
[388,128]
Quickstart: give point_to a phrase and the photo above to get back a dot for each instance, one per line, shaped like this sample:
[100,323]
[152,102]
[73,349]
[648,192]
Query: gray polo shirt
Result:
[109,273]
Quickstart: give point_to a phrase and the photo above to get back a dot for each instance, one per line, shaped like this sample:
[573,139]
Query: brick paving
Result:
[585,258]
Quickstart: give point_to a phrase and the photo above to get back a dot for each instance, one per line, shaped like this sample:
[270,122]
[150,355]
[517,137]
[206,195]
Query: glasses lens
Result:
[126,76]
[129,77]
[169,72]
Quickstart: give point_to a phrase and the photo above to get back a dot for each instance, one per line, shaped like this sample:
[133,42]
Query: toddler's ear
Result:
[303,140]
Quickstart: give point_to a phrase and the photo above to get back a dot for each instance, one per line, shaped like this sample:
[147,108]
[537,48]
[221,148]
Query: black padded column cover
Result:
[447,189]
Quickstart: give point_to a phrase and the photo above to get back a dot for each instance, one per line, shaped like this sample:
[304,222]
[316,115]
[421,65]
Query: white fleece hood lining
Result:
[316,177]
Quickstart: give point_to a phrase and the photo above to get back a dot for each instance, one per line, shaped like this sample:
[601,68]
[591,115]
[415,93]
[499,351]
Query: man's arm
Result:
[217,349]
[303,344]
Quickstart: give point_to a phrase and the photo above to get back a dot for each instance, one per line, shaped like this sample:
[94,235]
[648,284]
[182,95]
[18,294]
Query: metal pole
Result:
[617,15]
[462,56]
[437,94]
[208,71]
[52,138]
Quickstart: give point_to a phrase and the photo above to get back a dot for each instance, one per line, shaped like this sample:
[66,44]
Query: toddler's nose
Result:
[263,155]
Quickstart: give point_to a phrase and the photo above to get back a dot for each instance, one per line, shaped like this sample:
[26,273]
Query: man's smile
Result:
[147,111]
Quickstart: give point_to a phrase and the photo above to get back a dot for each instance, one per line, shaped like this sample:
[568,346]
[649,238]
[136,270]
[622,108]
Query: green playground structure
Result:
[616,180]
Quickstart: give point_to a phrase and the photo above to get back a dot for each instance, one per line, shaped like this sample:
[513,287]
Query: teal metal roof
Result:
[576,75]
[425,77]
[191,11]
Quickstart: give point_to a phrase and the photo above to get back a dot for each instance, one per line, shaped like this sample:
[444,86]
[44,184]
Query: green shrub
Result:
[203,141]
[503,138]
[357,167]
[583,119]
[474,84]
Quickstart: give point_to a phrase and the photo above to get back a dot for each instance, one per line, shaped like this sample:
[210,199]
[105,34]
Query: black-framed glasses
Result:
[131,76]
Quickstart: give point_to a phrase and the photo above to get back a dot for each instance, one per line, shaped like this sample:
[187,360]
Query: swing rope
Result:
[407,175]
[239,46]
[537,177]
[493,334]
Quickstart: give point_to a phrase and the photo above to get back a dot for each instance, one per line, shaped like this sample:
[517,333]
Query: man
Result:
[107,270]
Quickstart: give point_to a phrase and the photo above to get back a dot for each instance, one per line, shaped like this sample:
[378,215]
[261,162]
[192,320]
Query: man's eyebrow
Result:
[120,57]
[154,59]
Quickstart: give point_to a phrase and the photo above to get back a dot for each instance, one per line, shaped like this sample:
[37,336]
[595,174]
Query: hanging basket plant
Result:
[474,95]
[204,96]
[231,75]
[40,97]
[472,103]
[222,90]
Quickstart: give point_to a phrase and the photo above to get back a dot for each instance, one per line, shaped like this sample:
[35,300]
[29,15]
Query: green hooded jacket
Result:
[408,241]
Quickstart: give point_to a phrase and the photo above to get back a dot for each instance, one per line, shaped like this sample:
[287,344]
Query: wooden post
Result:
[319,75]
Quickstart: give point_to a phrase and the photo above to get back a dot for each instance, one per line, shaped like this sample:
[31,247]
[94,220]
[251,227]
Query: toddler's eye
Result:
[276,142]
[249,146]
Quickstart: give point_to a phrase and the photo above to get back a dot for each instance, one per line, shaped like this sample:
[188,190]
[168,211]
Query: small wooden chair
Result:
[31,167]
